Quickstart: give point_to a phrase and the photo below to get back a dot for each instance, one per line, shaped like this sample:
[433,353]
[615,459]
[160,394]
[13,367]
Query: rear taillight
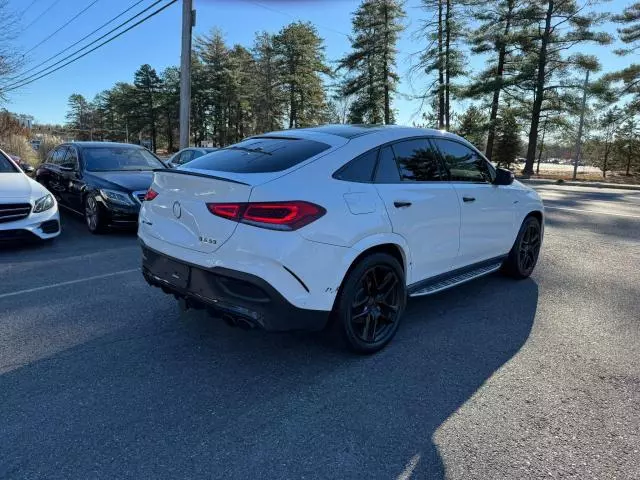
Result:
[273,215]
[151,194]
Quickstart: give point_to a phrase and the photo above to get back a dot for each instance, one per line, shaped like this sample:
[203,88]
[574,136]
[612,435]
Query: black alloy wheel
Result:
[371,303]
[524,255]
[93,215]
[375,307]
[529,247]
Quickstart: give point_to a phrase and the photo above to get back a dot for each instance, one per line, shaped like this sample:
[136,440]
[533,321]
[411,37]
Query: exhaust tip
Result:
[245,324]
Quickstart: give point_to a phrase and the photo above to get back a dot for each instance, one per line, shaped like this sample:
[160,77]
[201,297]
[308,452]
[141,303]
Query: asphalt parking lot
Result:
[101,376]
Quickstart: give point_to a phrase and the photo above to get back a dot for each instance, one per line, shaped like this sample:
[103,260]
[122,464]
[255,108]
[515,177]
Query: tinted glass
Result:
[464,164]
[6,166]
[58,155]
[71,160]
[418,161]
[359,169]
[103,159]
[257,155]
[387,171]
[197,153]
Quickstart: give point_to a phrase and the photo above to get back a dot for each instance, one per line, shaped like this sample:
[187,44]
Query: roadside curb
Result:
[544,181]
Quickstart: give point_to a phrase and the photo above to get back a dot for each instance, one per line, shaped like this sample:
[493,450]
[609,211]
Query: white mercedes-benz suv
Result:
[27,209]
[293,229]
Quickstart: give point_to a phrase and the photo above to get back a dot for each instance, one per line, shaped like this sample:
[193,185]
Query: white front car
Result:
[27,209]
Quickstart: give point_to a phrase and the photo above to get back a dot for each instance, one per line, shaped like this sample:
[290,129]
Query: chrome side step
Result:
[440,285]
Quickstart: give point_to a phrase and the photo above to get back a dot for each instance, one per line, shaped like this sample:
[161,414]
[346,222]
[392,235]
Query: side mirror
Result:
[503,177]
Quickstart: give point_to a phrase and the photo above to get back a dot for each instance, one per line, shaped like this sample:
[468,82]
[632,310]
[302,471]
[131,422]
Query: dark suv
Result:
[106,182]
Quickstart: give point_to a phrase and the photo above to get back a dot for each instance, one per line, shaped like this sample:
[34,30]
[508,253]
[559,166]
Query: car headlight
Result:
[114,196]
[44,203]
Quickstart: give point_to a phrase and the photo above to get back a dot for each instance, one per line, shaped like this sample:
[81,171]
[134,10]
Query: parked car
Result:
[104,181]
[187,154]
[27,209]
[289,229]
[24,166]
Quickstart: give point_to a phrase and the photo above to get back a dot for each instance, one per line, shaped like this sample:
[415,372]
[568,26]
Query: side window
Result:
[196,154]
[71,160]
[418,161]
[58,156]
[185,157]
[387,171]
[464,164]
[360,169]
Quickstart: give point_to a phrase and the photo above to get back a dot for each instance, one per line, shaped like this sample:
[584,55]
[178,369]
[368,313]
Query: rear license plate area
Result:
[174,273]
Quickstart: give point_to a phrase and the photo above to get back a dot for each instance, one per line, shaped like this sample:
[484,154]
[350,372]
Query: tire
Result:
[371,302]
[93,216]
[523,256]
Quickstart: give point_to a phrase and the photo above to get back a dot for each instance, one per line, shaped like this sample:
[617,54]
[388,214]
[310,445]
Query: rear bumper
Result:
[228,291]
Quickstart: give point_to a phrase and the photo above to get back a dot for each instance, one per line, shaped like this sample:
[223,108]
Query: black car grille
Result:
[10,212]
[141,196]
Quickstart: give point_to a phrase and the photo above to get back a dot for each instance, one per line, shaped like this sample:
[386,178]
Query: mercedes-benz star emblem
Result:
[177,209]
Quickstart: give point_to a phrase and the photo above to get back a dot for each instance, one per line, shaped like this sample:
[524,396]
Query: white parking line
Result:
[70,282]
[547,207]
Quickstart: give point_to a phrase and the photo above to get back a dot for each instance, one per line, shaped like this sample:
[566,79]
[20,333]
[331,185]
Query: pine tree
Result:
[170,103]
[442,32]
[629,34]
[508,144]
[558,27]
[498,34]
[214,55]
[79,116]
[370,66]
[473,126]
[609,123]
[148,86]
[268,98]
[240,92]
[300,52]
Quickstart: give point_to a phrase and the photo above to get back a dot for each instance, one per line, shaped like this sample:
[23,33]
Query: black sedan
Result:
[106,182]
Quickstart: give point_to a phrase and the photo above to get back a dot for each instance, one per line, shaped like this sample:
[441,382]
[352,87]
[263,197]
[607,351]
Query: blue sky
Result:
[157,42]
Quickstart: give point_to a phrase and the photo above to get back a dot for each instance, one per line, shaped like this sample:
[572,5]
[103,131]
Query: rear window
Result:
[258,155]
[104,159]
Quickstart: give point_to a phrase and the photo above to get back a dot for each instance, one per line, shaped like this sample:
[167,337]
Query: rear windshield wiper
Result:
[252,150]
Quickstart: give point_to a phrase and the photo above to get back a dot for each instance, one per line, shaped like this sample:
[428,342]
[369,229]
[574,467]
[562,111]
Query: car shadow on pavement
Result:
[194,398]
[75,232]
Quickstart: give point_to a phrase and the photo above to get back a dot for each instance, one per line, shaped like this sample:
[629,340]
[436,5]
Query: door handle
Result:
[398,204]
[468,199]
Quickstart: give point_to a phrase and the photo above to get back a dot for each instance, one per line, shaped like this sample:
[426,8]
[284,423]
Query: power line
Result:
[82,48]
[63,26]
[26,9]
[296,18]
[94,48]
[82,39]
[42,14]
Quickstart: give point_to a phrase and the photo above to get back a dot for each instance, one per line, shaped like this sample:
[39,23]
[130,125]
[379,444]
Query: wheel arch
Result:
[397,248]
[536,214]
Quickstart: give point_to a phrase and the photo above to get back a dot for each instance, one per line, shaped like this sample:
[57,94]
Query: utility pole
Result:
[185,72]
[580,126]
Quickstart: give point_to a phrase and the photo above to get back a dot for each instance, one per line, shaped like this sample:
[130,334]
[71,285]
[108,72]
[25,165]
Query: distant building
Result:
[25,121]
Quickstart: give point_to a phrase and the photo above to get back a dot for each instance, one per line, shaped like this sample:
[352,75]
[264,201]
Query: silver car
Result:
[187,154]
